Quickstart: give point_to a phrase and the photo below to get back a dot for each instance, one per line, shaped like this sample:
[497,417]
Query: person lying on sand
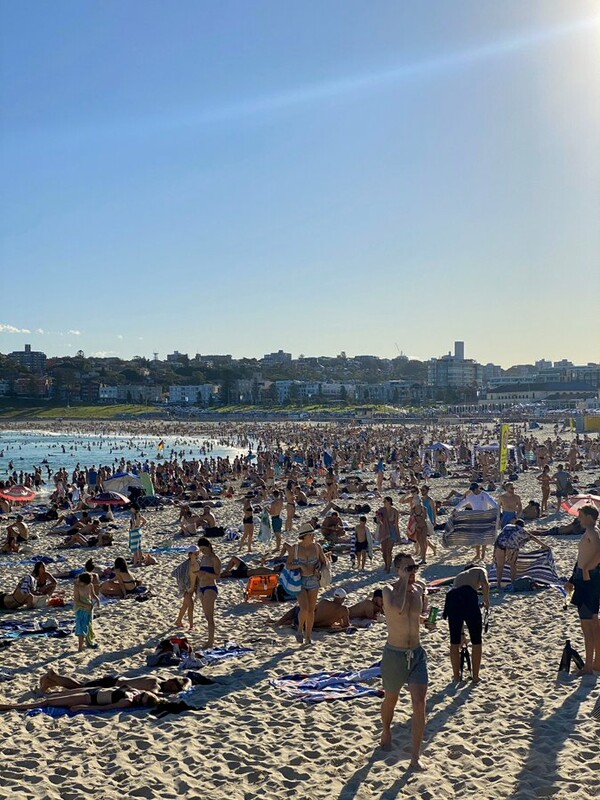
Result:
[237,568]
[328,613]
[369,608]
[92,699]
[141,683]
[38,583]
[97,538]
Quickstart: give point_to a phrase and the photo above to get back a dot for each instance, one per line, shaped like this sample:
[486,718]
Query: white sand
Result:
[520,733]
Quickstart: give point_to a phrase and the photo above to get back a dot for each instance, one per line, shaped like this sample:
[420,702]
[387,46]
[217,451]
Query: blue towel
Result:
[215,654]
[326,686]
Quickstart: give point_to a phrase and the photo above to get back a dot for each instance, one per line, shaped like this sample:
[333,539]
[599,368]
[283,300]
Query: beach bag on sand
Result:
[325,576]
[291,581]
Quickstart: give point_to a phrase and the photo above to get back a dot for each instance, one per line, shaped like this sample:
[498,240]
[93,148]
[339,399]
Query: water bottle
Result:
[433,615]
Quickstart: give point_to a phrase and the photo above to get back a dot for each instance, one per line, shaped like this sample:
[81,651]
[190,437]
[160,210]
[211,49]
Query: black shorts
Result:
[362,546]
[462,606]
[240,572]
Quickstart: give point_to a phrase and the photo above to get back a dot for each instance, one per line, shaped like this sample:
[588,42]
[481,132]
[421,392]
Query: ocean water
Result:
[28,449]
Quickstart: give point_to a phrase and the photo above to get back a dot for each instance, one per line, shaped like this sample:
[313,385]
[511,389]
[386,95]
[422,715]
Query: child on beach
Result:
[361,534]
[135,535]
[84,598]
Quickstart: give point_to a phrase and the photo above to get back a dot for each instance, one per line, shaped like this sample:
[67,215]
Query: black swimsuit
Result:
[115,696]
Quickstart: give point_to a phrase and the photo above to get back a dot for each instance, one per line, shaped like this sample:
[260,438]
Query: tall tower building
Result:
[459,351]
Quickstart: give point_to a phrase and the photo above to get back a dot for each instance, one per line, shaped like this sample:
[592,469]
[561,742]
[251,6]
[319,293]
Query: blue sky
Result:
[318,176]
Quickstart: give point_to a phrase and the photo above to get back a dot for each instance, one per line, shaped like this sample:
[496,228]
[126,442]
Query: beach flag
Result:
[161,446]
[504,448]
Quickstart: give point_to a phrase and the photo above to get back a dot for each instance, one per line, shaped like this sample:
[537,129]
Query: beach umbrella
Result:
[121,481]
[108,499]
[18,494]
[575,503]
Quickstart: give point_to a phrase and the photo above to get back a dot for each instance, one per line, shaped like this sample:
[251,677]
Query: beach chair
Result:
[260,587]
[471,528]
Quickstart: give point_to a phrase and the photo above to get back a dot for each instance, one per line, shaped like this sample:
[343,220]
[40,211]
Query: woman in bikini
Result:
[122,584]
[92,699]
[248,521]
[309,558]
[545,479]
[209,572]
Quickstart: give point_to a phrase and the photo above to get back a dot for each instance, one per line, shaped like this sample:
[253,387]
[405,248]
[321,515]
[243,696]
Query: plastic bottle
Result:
[433,615]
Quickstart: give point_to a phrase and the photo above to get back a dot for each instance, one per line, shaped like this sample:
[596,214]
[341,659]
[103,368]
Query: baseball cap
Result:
[339,592]
[193,548]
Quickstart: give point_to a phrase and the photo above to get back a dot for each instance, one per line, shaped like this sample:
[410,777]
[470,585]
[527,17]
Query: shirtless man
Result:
[332,528]
[585,585]
[19,529]
[404,660]
[143,683]
[328,613]
[275,510]
[510,505]
[207,519]
[462,606]
[368,609]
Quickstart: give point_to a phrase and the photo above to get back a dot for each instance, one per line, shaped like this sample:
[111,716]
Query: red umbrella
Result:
[18,494]
[574,504]
[108,499]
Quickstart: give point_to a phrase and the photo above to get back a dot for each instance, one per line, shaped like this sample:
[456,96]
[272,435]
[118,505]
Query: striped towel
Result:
[471,528]
[538,565]
[326,686]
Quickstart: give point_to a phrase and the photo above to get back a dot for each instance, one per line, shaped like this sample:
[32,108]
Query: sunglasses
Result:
[411,568]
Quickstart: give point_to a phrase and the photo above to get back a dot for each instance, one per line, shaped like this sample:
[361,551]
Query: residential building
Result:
[130,393]
[200,394]
[276,359]
[34,360]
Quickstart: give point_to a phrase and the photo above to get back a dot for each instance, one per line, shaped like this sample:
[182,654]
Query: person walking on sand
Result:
[585,585]
[248,522]
[275,510]
[404,661]
[387,530]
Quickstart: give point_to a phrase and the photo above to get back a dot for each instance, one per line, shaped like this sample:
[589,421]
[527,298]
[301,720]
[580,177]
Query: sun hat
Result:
[305,529]
[339,592]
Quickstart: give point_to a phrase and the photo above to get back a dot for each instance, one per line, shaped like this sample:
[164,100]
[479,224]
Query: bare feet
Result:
[415,765]
[178,623]
[386,740]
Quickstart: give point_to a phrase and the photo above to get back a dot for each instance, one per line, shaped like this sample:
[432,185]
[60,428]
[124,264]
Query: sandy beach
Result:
[522,732]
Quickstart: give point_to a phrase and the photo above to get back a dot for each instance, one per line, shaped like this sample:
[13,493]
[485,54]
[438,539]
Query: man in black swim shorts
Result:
[462,607]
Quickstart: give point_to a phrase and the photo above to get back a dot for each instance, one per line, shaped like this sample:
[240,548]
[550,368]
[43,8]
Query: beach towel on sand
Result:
[471,528]
[215,654]
[326,686]
[538,565]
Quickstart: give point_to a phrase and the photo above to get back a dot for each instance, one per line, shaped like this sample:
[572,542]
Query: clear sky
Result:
[247,175]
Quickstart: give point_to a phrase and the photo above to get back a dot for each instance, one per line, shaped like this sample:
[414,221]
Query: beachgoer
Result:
[387,518]
[187,582]
[328,613]
[209,572]
[248,522]
[404,660]
[510,505]
[141,683]
[90,700]
[585,585]
[477,500]
[20,529]
[275,510]
[136,523]
[545,479]
[84,598]
[462,606]
[507,545]
[369,608]
[290,506]
[361,539]
[309,558]
[123,584]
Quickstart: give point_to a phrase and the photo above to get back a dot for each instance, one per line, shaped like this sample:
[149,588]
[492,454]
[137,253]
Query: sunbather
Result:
[328,613]
[92,699]
[142,683]
[123,583]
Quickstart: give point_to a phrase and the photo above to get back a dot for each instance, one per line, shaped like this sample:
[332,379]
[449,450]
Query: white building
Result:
[130,393]
[194,395]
